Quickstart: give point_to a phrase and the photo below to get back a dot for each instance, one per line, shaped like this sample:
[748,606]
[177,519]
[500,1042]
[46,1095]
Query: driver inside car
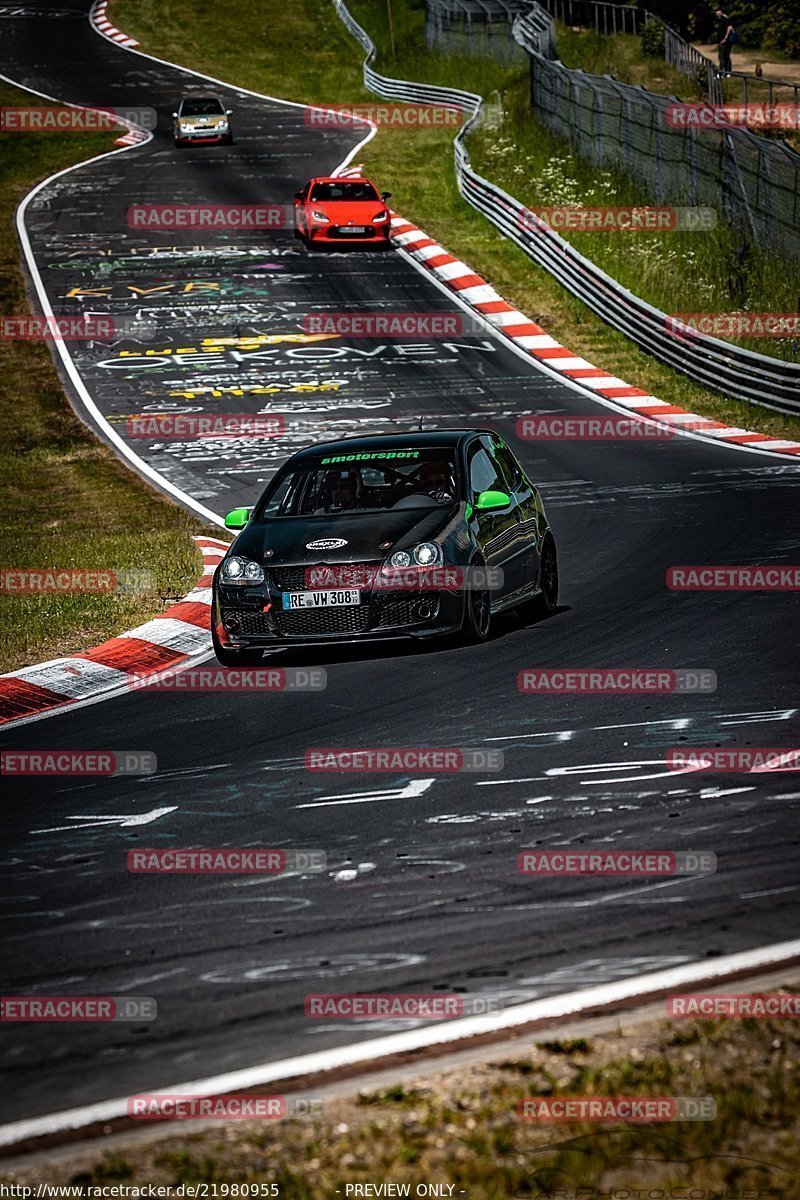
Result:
[436,481]
[341,491]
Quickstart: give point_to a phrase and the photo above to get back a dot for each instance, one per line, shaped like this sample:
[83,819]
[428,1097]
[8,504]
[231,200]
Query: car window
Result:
[202,107]
[484,474]
[278,501]
[365,482]
[507,464]
[344,191]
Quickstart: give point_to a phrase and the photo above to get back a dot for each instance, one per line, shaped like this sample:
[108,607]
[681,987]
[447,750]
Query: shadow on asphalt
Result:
[403,647]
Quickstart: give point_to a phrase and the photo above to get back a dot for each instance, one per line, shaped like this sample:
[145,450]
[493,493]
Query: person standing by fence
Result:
[726,37]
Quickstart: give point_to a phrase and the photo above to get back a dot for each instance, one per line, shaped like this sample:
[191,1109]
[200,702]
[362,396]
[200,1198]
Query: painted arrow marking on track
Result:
[415,788]
[125,821]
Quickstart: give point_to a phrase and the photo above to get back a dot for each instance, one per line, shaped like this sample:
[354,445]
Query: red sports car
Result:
[339,209]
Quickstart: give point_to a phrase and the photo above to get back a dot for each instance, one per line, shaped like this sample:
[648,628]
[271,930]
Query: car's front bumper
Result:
[203,135]
[250,618]
[375,235]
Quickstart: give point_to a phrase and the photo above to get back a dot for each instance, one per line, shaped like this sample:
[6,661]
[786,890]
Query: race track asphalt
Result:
[421,892]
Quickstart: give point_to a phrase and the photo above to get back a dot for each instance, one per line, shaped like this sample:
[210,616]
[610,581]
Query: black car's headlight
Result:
[238,570]
[426,554]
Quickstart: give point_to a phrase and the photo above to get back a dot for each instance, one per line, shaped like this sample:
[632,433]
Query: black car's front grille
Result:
[321,576]
[378,610]
[289,579]
[321,622]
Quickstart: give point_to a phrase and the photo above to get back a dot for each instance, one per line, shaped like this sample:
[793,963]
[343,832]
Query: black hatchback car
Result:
[405,535]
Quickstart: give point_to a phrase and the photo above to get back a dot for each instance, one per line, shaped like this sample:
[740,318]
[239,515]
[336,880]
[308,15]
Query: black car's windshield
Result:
[202,107]
[344,191]
[369,482]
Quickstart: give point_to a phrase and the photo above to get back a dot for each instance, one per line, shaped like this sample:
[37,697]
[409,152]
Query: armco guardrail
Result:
[742,374]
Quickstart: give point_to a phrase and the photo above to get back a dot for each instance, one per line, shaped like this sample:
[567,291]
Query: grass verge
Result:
[622,56]
[65,499]
[459,1128]
[416,166]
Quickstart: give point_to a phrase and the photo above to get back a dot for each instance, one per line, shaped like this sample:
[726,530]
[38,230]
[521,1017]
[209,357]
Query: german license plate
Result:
[322,599]
[352,229]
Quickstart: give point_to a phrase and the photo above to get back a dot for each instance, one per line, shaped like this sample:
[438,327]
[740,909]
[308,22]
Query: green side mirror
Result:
[487,501]
[238,518]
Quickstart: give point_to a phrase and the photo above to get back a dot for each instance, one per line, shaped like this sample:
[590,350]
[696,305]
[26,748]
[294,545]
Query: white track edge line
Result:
[550,1007]
[125,451]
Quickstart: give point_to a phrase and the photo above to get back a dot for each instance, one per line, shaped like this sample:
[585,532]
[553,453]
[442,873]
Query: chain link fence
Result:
[754,181]
[609,19]
[474,28]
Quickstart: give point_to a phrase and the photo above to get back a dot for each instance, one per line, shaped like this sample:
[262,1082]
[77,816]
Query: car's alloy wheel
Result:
[479,608]
[548,574]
